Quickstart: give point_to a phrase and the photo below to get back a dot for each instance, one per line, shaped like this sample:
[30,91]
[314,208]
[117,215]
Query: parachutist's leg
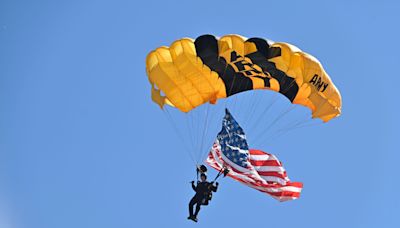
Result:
[197,209]
[191,204]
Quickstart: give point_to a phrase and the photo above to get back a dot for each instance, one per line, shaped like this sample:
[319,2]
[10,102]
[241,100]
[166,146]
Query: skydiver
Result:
[203,194]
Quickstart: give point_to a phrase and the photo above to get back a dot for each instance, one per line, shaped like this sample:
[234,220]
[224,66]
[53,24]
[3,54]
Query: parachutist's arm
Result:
[193,186]
[214,188]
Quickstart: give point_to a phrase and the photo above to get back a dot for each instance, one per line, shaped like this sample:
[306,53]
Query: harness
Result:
[203,169]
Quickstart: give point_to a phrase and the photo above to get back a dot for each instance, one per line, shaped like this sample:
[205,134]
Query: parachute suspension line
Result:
[205,151]
[275,136]
[197,119]
[192,125]
[230,89]
[204,133]
[234,104]
[254,103]
[195,130]
[302,123]
[249,101]
[281,133]
[195,124]
[274,100]
[270,102]
[280,116]
[241,100]
[189,121]
[192,115]
[274,122]
[306,118]
[179,134]
[293,123]
[299,124]
[264,112]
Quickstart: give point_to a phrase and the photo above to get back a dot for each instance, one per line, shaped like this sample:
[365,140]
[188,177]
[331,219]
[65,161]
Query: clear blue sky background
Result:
[82,145]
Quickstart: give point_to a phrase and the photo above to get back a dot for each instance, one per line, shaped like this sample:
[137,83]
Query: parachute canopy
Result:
[191,72]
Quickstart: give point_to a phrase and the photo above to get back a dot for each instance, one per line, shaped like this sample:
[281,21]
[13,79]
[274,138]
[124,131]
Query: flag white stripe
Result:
[258,157]
[274,179]
[278,169]
[279,189]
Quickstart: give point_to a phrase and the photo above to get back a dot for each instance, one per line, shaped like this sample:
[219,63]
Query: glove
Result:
[217,184]
[192,182]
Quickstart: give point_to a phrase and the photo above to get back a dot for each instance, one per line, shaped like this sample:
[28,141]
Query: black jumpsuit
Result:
[202,190]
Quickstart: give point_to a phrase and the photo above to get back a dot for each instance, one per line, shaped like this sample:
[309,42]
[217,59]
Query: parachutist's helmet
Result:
[203,175]
[202,169]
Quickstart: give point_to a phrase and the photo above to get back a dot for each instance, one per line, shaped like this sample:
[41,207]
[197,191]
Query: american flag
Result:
[255,168]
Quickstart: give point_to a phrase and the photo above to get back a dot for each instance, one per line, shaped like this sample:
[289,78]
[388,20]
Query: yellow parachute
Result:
[191,72]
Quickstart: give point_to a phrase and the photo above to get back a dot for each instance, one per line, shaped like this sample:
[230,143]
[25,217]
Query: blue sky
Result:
[82,145]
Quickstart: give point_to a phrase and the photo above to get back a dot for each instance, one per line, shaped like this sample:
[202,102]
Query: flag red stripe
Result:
[272,174]
[265,163]
[257,152]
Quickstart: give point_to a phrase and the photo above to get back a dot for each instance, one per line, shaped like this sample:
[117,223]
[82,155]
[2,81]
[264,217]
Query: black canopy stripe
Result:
[236,82]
